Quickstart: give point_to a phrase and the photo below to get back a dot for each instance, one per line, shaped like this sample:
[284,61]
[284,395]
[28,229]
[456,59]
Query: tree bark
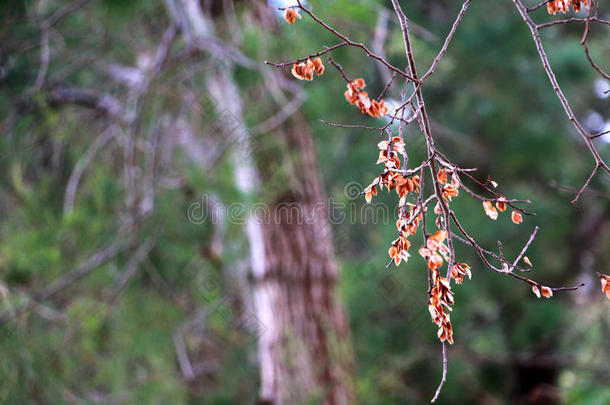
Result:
[304,352]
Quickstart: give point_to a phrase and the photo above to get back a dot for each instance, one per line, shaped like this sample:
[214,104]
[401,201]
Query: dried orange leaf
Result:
[439,236]
[501,205]
[442,176]
[490,211]
[516,217]
[291,15]
[536,291]
[546,292]
[303,70]
[318,66]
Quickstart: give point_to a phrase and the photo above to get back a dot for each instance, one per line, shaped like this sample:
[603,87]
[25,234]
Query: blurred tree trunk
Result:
[303,348]
[305,351]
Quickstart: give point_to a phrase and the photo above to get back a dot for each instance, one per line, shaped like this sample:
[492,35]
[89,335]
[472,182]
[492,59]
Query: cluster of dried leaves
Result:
[445,176]
[305,70]
[360,98]
[563,6]
[492,212]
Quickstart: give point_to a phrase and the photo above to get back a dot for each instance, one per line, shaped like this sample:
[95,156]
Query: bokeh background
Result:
[126,155]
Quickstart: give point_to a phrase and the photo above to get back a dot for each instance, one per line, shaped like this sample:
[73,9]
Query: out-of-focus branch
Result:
[93,262]
[278,118]
[45,55]
[45,51]
[82,165]
[381,33]
[87,98]
[62,12]
[140,254]
[187,368]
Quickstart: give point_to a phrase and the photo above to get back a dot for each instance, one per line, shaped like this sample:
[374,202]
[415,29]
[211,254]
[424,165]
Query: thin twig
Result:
[444,377]
[584,186]
[339,68]
[313,55]
[572,20]
[457,21]
[387,86]
[351,126]
[525,247]
[542,3]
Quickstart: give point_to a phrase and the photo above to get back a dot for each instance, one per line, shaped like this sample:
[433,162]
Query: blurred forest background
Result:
[136,136]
